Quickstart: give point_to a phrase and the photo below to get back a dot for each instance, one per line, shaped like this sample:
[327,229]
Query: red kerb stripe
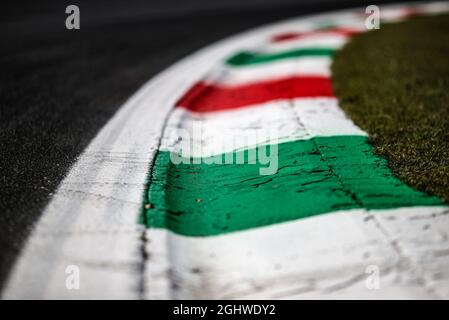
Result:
[326,32]
[204,97]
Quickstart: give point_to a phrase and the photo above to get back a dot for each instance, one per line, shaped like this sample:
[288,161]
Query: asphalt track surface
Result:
[59,87]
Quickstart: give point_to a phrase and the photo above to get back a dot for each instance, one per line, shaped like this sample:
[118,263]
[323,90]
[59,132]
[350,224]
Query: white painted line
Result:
[325,256]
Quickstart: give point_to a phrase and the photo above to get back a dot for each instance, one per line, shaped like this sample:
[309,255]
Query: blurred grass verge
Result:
[394,84]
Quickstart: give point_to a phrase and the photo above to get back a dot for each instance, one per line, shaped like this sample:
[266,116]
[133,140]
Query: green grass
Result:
[394,83]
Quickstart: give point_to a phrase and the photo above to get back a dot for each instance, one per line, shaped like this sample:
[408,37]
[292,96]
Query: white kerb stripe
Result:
[304,66]
[326,256]
[194,135]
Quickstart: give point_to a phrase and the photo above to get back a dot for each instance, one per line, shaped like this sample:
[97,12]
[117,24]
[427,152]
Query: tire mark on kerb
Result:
[63,213]
[143,238]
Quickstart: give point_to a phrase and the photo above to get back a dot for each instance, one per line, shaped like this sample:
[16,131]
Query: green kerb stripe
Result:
[248,58]
[315,176]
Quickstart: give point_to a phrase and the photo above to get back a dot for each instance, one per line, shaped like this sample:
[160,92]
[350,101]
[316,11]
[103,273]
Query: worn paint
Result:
[325,256]
[315,176]
[268,123]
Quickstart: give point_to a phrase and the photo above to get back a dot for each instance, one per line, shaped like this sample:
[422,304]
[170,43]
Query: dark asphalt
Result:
[59,87]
